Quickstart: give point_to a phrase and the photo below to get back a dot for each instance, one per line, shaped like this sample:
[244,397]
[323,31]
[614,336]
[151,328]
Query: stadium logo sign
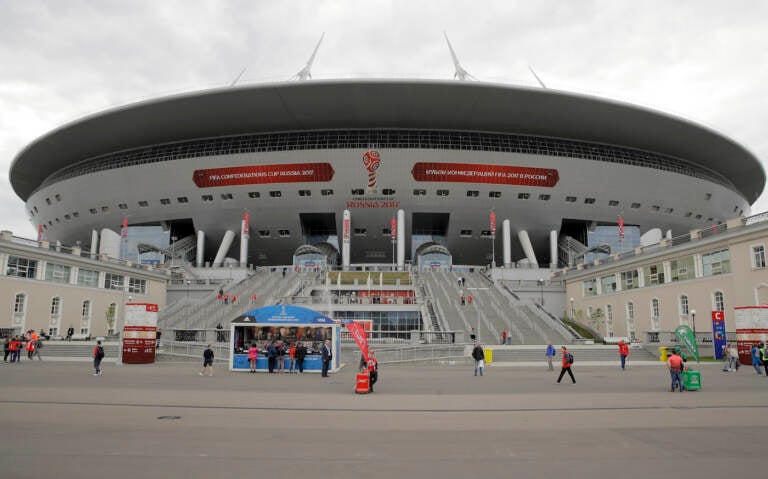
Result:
[371,162]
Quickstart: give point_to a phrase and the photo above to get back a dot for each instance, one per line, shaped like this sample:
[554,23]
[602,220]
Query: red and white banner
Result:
[751,328]
[357,331]
[493,223]
[393,228]
[493,174]
[263,174]
[139,333]
[124,229]
[246,222]
[621,227]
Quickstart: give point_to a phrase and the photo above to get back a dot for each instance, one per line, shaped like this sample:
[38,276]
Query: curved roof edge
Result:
[389,103]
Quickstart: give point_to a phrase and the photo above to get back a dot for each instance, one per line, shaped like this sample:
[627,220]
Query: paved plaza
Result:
[164,420]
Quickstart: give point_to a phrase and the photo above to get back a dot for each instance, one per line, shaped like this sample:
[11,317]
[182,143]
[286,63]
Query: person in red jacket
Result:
[13,347]
[623,354]
[567,361]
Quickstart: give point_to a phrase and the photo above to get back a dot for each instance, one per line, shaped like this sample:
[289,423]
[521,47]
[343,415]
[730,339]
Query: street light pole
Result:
[573,311]
[541,288]
[187,315]
[693,320]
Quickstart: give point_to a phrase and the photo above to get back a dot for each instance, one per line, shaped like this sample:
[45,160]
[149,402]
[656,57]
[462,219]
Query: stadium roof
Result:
[392,104]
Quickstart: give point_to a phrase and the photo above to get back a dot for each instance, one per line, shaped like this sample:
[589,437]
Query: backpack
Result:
[99,352]
[570,358]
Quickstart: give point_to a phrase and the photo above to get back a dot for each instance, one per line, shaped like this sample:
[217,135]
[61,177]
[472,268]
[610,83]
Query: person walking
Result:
[271,356]
[623,354]
[14,347]
[253,354]
[756,357]
[6,349]
[98,355]
[504,336]
[373,369]
[70,333]
[550,355]
[207,361]
[38,346]
[479,356]
[327,355]
[301,353]
[726,358]
[567,363]
[675,363]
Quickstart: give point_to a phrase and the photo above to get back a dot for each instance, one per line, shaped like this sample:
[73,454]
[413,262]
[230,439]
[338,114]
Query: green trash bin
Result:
[691,380]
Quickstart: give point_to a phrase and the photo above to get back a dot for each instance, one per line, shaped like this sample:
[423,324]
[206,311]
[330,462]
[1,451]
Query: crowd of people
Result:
[14,347]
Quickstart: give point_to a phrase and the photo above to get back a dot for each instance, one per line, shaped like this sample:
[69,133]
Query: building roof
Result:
[366,104]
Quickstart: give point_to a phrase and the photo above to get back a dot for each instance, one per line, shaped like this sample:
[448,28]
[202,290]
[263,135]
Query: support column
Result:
[244,243]
[229,236]
[346,235]
[525,241]
[200,248]
[553,249]
[94,243]
[506,237]
[400,240]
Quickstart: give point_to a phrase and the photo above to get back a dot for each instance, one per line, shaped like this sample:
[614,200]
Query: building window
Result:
[523,196]
[629,279]
[609,320]
[67,217]
[305,192]
[55,318]
[57,273]
[87,277]
[570,199]
[589,287]
[631,321]
[254,194]
[494,194]
[361,191]
[719,300]
[682,268]
[143,203]
[122,206]
[226,196]
[326,192]
[264,233]
[442,192]
[284,233]
[85,317]
[182,199]
[92,210]
[137,285]
[608,284]
[19,310]
[613,203]
[114,281]
[654,274]
[698,217]
[275,194]
[465,233]
[165,201]
[758,256]
[655,314]
[485,233]
[21,267]
[684,309]
[473,193]
[206,198]
[388,192]
[589,201]
[544,197]
[360,231]
[635,205]
[716,263]
[419,192]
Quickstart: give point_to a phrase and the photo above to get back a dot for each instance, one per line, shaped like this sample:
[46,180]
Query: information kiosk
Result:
[286,325]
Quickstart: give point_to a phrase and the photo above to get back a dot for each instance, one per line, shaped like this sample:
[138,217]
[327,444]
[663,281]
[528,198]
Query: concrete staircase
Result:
[74,351]
[581,354]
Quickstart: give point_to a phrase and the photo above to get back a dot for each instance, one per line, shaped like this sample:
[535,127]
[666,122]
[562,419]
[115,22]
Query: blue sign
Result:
[718,333]
[282,313]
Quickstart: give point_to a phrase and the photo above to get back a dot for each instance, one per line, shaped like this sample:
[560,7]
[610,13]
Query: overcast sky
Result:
[706,61]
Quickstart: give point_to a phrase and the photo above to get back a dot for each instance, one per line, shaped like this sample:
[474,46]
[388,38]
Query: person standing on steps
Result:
[567,363]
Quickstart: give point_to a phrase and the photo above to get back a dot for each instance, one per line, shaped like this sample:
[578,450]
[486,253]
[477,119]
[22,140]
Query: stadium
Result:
[297,158]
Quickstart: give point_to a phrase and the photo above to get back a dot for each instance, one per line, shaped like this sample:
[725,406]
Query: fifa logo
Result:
[371,161]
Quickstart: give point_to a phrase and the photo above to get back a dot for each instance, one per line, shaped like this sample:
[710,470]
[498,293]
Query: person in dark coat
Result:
[327,355]
[301,353]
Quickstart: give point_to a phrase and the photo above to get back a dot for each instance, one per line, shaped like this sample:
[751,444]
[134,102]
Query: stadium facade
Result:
[297,158]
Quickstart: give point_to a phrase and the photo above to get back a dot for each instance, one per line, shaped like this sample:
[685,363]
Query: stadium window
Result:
[50,223]
[143,204]
[741,212]
[105,209]
[57,220]
[67,217]
[254,194]
[698,217]
[635,205]
[165,201]
[48,201]
[570,199]
[264,233]
[58,197]
[206,197]
[122,206]
[655,207]
[545,197]
[275,194]
[688,215]
[386,231]
[419,192]
[360,231]
[226,196]
[485,234]
[465,233]
[92,210]
[75,214]
[473,193]
[284,233]
[305,193]
[589,201]
[709,220]
[35,208]
[442,192]
[182,199]
[735,208]
[523,196]
[358,191]
[326,192]
[494,194]
[387,192]
[613,203]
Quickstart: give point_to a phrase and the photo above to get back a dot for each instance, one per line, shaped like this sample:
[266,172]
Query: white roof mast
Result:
[460,72]
[306,72]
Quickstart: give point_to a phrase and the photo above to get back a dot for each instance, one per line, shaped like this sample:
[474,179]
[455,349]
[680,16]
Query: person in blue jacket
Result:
[756,362]
[550,355]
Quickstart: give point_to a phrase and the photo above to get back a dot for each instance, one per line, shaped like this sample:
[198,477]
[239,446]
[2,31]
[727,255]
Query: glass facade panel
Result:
[608,284]
[21,267]
[654,274]
[57,273]
[87,277]
[682,268]
[629,279]
[715,263]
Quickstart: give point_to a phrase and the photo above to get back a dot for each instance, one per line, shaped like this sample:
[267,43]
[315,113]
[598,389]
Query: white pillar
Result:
[94,243]
[400,240]
[525,241]
[244,244]
[553,249]
[346,235]
[506,237]
[200,248]
[229,236]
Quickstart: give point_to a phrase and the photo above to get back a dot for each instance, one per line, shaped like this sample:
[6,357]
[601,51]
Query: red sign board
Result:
[139,333]
[493,174]
[263,174]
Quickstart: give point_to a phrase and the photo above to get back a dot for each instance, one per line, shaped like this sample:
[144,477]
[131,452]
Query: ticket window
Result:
[312,336]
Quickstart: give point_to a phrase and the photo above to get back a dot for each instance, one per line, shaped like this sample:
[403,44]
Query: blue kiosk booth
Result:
[287,325]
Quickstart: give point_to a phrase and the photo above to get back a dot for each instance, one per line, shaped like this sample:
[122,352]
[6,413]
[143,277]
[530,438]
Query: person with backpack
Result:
[479,356]
[98,355]
[567,363]
[623,354]
[207,361]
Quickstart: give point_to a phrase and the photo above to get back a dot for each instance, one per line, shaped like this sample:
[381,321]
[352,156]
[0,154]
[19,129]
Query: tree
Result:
[109,315]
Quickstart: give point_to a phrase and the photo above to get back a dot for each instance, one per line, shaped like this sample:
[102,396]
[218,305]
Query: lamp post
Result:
[573,311]
[541,289]
[187,301]
[693,321]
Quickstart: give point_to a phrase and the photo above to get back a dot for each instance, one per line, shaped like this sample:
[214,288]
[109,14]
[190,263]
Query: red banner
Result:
[393,228]
[621,227]
[263,174]
[357,331]
[493,223]
[124,229]
[493,174]
[247,220]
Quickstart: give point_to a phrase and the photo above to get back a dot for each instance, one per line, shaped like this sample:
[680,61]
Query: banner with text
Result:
[751,328]
[718,333]
[493,174]
[263,174]
[357,331]
[139,332]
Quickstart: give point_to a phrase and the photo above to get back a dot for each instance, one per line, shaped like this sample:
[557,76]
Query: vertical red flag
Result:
[40,232]
[358,334]
[621,227]
[393,228]
[246,227]
[124,229]
[493,223]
